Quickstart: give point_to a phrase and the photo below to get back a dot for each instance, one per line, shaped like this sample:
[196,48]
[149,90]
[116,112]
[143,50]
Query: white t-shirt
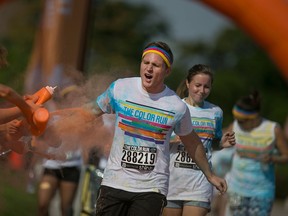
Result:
[249,176]
[139,156]
[187,181]
[74,159]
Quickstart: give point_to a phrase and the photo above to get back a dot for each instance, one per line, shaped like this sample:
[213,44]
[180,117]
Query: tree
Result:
[20,20]
[240,66]
[118,33]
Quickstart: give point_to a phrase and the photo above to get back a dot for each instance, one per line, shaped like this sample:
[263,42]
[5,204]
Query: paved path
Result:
[280,208]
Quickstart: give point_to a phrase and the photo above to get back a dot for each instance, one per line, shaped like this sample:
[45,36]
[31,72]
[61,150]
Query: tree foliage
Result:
[117,34]
[240,66]
[18,38]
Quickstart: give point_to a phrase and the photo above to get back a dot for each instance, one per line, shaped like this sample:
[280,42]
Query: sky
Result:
[189,19]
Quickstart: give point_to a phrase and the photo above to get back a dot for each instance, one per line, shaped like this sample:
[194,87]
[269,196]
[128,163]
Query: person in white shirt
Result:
[136,177]
[190,192]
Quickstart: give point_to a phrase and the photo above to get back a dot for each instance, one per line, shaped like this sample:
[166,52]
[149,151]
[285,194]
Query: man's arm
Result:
[21,105]
[196,151]
[72,121]
[8,114]
[94,109]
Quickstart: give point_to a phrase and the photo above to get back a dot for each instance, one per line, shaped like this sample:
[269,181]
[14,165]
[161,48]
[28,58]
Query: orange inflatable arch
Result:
[264,20]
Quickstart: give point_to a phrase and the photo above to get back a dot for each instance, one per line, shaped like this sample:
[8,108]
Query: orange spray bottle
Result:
[40,118]
[41,115]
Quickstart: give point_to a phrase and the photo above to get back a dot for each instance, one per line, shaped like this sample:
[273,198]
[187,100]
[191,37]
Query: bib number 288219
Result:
[139,157]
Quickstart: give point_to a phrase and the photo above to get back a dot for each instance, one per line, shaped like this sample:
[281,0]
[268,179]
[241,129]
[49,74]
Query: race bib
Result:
[183,160]
[139,157]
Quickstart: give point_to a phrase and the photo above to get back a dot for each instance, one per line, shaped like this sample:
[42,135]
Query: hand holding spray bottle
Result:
[41,115]
[40,119]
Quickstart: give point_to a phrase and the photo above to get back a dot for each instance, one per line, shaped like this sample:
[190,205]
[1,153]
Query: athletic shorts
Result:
[249,206]
[179,204]
[70,174]
[116,202]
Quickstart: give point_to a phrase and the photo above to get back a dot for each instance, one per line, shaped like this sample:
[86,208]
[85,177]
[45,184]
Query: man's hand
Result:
[219,183]
[16,129]
[28,114]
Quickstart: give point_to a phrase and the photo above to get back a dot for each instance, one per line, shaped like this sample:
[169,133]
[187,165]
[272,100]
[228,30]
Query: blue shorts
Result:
[180,203]
[249,206]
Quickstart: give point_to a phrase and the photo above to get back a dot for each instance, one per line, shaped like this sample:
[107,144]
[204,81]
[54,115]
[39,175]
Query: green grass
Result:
[14,200]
